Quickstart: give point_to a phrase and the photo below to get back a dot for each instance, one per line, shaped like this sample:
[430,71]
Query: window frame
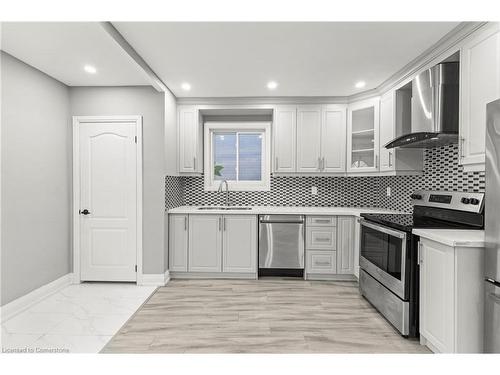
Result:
[243,127]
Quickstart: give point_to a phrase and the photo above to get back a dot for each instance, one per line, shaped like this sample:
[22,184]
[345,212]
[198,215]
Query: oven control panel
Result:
[454,200]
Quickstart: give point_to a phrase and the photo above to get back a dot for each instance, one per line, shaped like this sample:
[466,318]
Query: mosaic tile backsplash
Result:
[441,172]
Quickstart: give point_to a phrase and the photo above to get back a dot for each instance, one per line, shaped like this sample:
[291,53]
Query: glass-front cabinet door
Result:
[363,136]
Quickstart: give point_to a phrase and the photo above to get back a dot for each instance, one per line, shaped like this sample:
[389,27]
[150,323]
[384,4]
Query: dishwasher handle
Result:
[280,222]
[282,219]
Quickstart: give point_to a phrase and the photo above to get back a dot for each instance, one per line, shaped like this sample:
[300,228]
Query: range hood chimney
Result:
[434,109]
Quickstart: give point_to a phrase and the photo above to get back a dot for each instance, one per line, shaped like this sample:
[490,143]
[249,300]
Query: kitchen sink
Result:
[224,208]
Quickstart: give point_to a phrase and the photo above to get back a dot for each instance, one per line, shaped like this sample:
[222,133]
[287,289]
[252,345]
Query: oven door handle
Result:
[383,229]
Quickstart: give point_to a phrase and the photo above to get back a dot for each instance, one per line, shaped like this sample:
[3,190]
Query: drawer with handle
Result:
[328,221]
[321,262]
[321,238]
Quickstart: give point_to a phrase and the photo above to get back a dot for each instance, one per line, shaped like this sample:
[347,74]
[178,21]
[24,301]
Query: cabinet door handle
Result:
[323,164]
[219,221]
[376,161]
[224,223]
[185,223]
[194,163]
[390,158]
[319,164]
[326,221]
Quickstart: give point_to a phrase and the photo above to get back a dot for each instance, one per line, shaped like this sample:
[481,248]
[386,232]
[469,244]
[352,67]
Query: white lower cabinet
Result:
[330,247]
[321,238]
[345,245]
[213,244]
[239,243]
[205,243]
[178,243]
[323,262]
[451,297]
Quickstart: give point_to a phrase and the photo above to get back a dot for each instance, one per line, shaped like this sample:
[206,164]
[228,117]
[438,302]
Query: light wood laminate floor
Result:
[270,315]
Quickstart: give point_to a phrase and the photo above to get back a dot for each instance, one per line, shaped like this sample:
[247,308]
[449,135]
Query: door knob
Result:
[84,212]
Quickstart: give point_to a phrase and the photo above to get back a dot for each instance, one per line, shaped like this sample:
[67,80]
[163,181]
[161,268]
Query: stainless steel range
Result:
[388,251]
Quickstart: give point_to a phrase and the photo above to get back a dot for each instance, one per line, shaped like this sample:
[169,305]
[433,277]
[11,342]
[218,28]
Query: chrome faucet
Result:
[227,190]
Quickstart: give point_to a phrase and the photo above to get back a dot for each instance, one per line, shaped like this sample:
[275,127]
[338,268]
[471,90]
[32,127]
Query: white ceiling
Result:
[226,59]
[306,59]
[61,49]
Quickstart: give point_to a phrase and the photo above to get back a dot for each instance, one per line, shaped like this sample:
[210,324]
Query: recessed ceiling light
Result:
[272,85]
[90,69]
[186,86]
[360,84]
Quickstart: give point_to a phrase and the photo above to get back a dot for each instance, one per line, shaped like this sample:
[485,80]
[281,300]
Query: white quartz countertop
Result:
[453,237]
[269,210]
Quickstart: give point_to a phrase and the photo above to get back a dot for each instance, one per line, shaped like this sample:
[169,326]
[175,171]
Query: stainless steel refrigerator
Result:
[492,228]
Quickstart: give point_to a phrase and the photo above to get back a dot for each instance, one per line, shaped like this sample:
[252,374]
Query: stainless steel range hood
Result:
[434,109]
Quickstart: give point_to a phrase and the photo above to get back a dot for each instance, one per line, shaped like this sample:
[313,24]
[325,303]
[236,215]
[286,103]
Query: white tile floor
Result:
[79,319]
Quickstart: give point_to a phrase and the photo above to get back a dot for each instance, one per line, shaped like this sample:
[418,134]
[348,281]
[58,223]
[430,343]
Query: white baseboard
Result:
[20,304]
[160,279]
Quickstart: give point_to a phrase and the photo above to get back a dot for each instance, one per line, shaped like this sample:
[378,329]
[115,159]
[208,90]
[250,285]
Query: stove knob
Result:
[465,200]
[474,201]
[416,196]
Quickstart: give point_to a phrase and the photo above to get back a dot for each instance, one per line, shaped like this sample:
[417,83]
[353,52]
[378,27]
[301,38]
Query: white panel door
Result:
[205,243]
[333,138]
[178,243]
[345,245]
[309,139]
[189,129]
[284,139]
[108,186]
[437,295]
[479,85]
[387,131]
[240,243]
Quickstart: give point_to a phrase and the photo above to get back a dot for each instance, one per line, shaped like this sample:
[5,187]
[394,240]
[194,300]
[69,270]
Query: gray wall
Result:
[147,102]
[36,178]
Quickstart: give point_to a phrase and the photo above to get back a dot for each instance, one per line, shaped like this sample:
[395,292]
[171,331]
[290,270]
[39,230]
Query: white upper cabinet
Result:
[479,85]
[333,139]
[395,120]
[284,139]
[190,140]
[308,139]
[363,136]
[387,130]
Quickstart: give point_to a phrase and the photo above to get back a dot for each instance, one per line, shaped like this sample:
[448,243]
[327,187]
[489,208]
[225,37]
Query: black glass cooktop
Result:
[445,220]
[398,221]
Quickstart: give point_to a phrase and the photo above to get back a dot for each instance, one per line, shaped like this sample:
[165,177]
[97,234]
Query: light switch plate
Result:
[314,190]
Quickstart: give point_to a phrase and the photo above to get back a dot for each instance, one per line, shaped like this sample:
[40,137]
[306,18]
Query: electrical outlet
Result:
[388,191]
[314,190]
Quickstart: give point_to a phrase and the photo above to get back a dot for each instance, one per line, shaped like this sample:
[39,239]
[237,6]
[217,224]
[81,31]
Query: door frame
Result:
[80,120]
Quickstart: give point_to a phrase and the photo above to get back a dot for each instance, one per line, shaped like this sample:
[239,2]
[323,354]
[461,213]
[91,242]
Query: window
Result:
[238,153]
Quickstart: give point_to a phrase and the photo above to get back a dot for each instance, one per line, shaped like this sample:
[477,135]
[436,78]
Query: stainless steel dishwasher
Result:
[281,245]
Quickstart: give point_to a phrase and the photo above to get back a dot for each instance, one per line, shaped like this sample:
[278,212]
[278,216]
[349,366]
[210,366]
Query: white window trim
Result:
[265,127]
